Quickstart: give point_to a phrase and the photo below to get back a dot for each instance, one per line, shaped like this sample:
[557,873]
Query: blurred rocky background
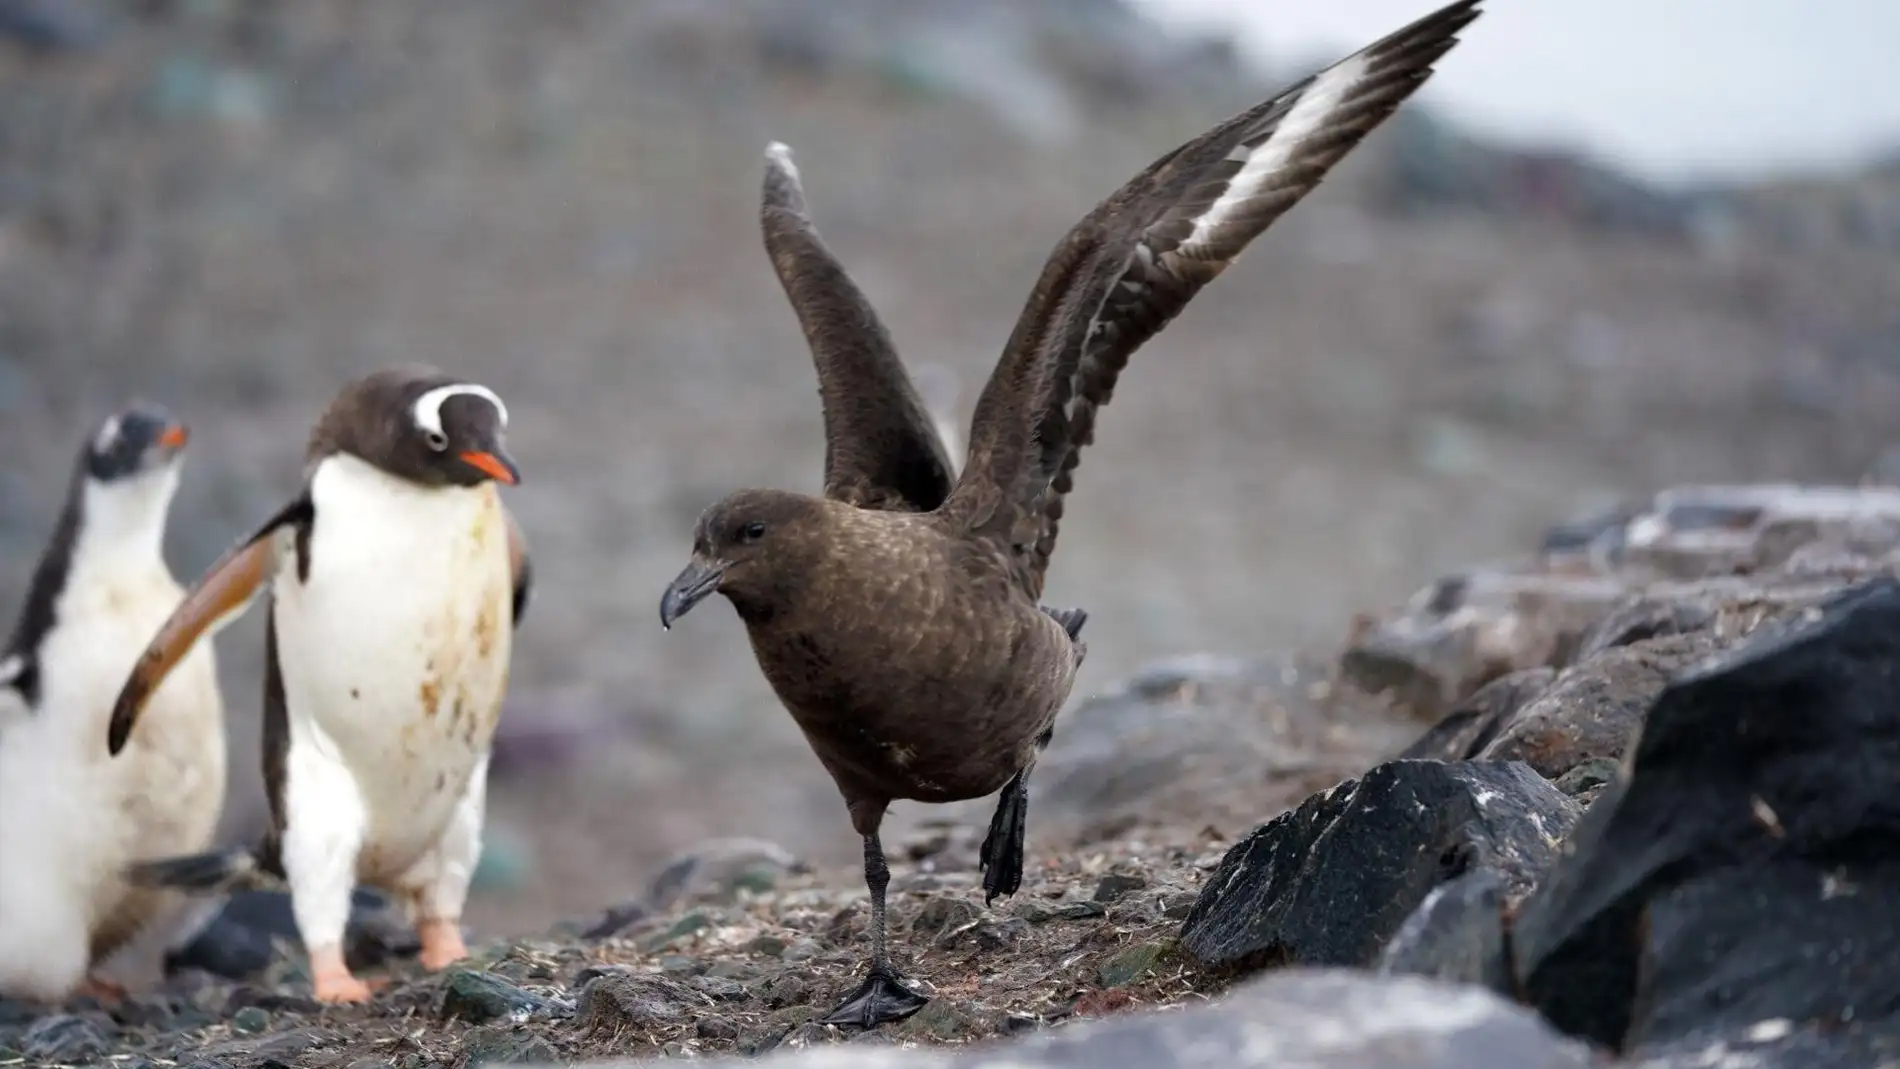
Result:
[232,206]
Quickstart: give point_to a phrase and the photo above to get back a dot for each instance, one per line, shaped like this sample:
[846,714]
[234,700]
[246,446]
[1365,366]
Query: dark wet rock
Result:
[1476,721]
[1330,882]
[718,1028]
[1456,934]
[1594,709]
[505,1045]
[237,940]
[1321,1019]
[637,1000]
[1115,885]
[478,997]
[64,1038]
[1747,871]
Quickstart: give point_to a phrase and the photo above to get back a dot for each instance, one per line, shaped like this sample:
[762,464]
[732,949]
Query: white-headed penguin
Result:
[396,576]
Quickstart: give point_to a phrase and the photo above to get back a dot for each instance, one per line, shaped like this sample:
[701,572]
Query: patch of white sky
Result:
[1672,90]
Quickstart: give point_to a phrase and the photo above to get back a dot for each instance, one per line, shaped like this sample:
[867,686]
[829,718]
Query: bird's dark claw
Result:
[880,999]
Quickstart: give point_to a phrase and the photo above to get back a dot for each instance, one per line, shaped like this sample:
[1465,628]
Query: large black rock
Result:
[1330,882]
[1456,934]
[1739,887]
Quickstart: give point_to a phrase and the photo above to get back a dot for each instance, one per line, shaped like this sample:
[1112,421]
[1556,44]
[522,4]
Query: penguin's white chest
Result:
[394,649]
[71,816]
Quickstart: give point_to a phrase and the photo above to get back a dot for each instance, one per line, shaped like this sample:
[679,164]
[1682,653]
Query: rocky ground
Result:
[1629,799]
[232,207]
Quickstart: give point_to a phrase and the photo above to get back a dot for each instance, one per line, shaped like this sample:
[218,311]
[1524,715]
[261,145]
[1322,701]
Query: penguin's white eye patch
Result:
[427,412]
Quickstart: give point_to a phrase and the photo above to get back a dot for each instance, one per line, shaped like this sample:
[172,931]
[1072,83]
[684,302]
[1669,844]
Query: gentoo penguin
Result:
[71,817]
[396,577]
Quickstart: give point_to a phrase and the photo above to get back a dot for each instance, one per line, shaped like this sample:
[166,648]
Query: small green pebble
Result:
[687,925]
[756,879]
[1131,963]
[941,1019]
[250,1020]
[769,945]
[680,963]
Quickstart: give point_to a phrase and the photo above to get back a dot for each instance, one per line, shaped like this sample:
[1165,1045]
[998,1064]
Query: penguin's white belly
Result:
[394,651]
[85,813]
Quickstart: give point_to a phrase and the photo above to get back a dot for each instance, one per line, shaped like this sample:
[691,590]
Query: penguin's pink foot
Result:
[442,944]
[103,991]
[332,980]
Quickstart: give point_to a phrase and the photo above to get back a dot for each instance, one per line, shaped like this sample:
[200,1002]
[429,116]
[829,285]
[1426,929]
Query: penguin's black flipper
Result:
[520,565]
[217,870]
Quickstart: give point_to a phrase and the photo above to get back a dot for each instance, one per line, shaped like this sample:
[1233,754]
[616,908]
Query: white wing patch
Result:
[1329,90]
[781,156]
[108,435]
[10,669]
[428,409]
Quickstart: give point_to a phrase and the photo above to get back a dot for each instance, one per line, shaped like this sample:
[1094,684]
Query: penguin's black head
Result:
[421,424]
[136,439]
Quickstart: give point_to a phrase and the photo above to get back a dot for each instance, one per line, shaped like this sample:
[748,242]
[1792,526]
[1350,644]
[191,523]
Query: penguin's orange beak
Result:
[493,466]
[174,436]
